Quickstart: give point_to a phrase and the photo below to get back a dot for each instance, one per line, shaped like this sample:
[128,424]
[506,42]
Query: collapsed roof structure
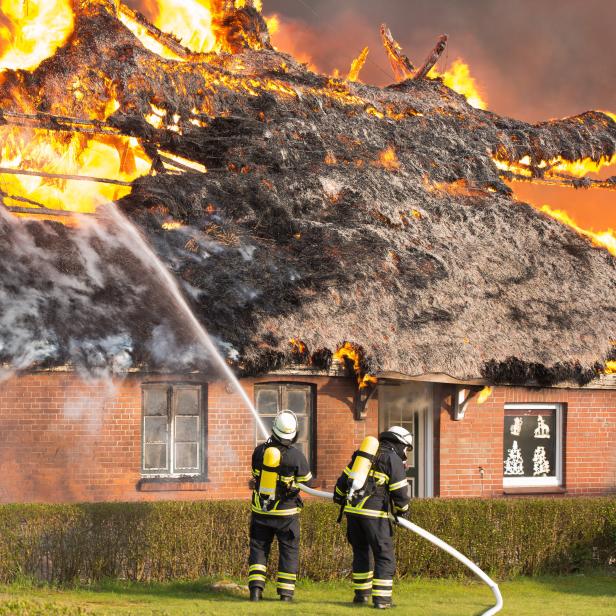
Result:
[293,205]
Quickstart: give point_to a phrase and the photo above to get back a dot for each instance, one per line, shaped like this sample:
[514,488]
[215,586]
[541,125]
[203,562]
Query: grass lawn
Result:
[588,595]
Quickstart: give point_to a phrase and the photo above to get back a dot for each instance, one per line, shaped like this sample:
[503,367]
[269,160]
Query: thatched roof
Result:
[302,228]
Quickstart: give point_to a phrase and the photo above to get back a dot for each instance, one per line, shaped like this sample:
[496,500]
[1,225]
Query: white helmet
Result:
[402,434]
[285,425]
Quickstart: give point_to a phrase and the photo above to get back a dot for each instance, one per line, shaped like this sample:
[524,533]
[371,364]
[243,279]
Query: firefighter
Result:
[276,467]
[369,529]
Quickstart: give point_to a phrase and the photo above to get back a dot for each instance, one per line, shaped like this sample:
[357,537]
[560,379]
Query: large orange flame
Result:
[605,239]
[106,156]
[459,79]
[32,30]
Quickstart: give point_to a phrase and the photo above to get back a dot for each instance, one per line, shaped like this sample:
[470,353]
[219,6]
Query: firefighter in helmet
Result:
[367,502]
[276,467]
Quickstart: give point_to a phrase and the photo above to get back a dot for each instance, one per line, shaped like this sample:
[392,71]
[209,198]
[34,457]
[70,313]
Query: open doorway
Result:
[410,405]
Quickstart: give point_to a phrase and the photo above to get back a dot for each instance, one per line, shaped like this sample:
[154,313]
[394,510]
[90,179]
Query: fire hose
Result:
[438,543]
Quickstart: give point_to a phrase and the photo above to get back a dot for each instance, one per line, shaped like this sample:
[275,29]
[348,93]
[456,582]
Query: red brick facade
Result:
[64,439]
[477,441]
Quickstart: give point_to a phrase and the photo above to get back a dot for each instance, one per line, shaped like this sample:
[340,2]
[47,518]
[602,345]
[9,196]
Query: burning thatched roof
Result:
[330,211]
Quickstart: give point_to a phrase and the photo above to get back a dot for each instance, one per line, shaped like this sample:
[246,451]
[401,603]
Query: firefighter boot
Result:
[382,605]
[360,599]
[256,593]
[286,598]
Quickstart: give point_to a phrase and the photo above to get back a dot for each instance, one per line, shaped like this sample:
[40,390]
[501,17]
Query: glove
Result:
[404,514]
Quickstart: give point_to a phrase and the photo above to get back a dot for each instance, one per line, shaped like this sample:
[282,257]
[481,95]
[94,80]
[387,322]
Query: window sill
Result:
[172,484]
[534,490]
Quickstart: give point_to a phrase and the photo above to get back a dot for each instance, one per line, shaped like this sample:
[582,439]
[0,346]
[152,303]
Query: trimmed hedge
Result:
[186,540]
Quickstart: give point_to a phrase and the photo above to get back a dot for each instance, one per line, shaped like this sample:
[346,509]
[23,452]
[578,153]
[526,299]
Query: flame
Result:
[32,30]
[172,224]
[358,64]
[459,79]
[368,380]
[610,367]
[351,352]
[604,239]
[577,168]
[388,159]
[106,156]
[191,21]
[298,347]
[484,394]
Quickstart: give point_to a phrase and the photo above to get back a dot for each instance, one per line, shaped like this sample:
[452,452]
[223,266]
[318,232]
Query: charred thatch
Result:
[330,211]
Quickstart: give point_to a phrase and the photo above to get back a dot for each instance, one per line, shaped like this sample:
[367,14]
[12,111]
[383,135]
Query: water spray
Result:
[141,249]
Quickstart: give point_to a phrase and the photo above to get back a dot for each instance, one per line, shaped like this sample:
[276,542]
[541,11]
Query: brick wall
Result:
[63,439]
[477,441]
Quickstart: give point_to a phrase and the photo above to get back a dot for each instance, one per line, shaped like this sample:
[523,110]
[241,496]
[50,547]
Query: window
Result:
[273,397]
[533,445]
[173,430]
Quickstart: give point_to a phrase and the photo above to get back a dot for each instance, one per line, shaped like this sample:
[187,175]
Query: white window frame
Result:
[171,472]
[541,482]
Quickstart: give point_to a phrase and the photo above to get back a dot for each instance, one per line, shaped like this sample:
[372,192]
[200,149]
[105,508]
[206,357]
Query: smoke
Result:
[81,297]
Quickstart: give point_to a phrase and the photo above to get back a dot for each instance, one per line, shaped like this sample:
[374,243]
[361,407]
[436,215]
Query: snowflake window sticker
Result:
[514,464]
[542,430]
[516,426]
[541,464]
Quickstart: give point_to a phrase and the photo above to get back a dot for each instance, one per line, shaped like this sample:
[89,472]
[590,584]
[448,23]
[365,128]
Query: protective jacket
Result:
[293,468]
[386,484]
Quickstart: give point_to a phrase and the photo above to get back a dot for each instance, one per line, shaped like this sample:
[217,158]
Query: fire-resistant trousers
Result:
[372,538]
[263,529]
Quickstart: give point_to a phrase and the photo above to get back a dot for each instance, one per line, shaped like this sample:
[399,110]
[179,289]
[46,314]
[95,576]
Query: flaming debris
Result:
[353,357]
[358,64]
[388,159]
[459,79]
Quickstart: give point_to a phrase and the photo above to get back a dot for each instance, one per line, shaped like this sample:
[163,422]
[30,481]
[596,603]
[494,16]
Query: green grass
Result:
[588,595]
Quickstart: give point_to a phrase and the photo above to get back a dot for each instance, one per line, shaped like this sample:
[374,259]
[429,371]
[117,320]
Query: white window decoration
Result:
[514,464]
[533,445]
[542,430]
[516,427]
[541,465]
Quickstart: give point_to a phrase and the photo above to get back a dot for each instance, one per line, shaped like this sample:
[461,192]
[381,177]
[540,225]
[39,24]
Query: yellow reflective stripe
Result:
[381,593]
[256,472]
[257,568]
[362,586]
[377,475]
[398,485]
[405,508]
[304,478]
[383,582]
[371,513]
[286,478]
[363,576]
[347,471]
[285,586]
[293,511]
[339,492]
[256,577]
[287,576]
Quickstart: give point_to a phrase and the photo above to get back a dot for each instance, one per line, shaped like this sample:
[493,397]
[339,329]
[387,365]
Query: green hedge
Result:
[180,540]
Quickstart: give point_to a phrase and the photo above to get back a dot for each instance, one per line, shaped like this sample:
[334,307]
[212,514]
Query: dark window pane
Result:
[298,401]
[186,456]
[268,422]
[187,429]
[155,430]
[530,443]
[155,400]
[186,401]
[267,400]
[303,432]
[155,457]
